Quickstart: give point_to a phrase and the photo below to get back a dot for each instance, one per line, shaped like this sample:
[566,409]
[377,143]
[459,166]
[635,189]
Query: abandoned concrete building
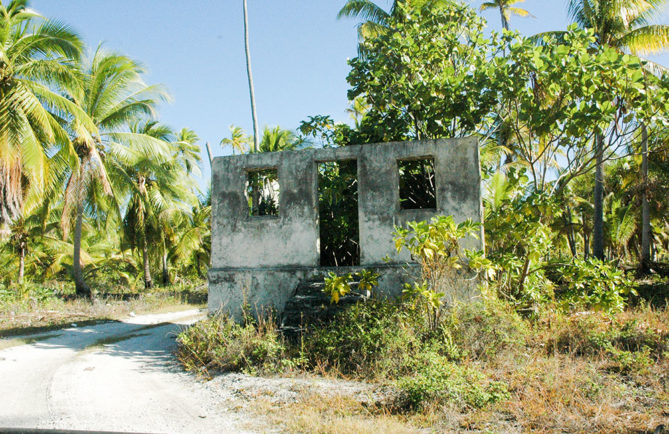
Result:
[274,224]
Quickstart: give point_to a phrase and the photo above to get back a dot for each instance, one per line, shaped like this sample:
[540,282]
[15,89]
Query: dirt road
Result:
[117,376]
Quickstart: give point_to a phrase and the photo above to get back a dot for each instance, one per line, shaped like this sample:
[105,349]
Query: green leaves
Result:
[594,284]
[435,246]
[425,76]
[339,286]
[434,240]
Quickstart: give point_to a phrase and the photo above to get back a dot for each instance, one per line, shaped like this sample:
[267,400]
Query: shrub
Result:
[631,341]
[436,246]
[373,339]
[484,329]
[219,343]
[593,284]
[337,287]
[29,291]
[439,381]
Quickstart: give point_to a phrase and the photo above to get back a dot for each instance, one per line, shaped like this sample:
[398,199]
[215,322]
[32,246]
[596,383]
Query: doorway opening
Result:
[338,213]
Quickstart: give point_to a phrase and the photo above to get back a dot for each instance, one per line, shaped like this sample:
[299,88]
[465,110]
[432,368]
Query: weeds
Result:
[483,368]
[221,344]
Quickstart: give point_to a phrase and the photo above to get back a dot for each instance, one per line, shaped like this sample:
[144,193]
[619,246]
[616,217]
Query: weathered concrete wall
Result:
[261,259]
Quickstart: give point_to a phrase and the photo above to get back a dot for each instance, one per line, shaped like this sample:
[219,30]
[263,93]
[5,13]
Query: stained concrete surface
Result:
[259,261]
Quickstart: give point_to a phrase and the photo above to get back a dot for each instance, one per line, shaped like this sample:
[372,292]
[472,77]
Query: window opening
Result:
[262,192]
[417,190]
[338,213]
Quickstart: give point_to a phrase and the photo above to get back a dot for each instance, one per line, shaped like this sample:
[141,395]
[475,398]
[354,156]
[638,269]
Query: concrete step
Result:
[310,305]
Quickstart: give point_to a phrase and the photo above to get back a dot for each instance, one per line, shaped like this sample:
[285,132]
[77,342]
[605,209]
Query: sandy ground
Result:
[117,376]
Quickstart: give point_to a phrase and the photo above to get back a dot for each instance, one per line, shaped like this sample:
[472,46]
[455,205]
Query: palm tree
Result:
[193,245]
[277,139]
[36,58]
[187,151]
[187,157]
[375,18]
[250,76]
[113,96]
[159,188]
[359,106]
[625,25]
[238,140]
[273,140]
[506,9]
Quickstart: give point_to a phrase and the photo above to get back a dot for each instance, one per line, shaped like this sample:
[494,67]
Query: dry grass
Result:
[563,380]
[549,394]
[313,413]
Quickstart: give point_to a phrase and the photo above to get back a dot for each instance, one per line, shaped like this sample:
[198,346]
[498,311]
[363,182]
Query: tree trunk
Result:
[505,22]
[571,239]
[81,288]
[598,217]
[166,274]
[256,136]
[22,264]
[148,283]
[645,207]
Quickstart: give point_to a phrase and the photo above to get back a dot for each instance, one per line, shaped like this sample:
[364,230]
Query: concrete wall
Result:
[262,258]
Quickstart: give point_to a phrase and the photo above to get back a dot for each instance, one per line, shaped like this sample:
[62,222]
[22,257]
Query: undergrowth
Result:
[484,365]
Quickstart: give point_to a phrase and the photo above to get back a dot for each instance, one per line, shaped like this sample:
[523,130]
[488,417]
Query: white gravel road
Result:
[117,376]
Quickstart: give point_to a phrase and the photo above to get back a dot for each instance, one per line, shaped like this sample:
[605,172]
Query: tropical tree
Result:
[357,110]
[425,77]
[626,26]
[273,140]
[34,247]
[113,95]
[506,9]
[158,187]
[36,58]
[277,139]
[375,19]
[238,140]
[187,156]
[193,243]
[187,151]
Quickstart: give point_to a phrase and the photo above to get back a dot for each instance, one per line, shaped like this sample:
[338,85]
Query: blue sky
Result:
[298,47]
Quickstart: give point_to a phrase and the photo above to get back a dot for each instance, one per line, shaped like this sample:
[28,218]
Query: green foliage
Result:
[373,340]
[435,245]
[337,286]
[392,340]
[439,381]
[338,213]
[593,284]
[220,344]
[628,361]
[425,76]
[628,342]
[326,132]
[30,292]
[367,280]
